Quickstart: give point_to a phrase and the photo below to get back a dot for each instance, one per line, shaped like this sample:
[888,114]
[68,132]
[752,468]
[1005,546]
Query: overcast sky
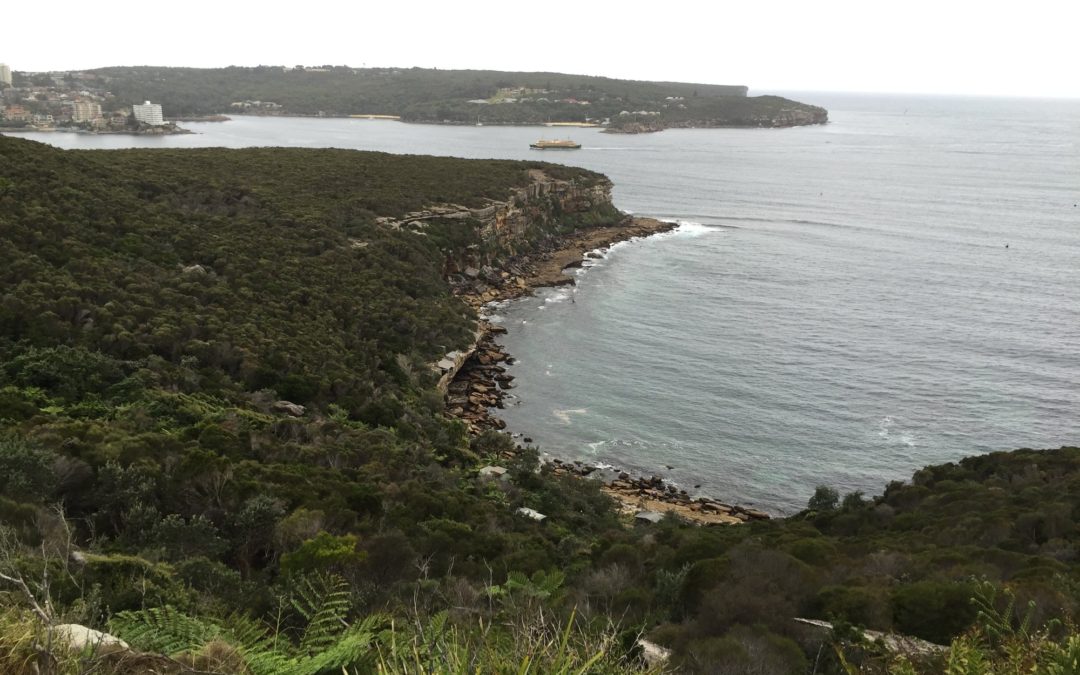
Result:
[986,47]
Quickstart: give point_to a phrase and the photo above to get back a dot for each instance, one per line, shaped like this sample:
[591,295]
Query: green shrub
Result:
[26,471]
[324,553]
[936,611]
[818,551]
[856,605]
[825,498]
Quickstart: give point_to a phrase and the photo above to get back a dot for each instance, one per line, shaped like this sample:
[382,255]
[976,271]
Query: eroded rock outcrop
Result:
[530,214]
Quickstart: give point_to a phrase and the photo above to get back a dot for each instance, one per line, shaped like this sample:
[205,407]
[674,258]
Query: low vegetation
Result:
[162,314]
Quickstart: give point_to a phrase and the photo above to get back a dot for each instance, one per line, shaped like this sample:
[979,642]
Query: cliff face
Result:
[544,208]
[530,215]
[786,117]
[503,233]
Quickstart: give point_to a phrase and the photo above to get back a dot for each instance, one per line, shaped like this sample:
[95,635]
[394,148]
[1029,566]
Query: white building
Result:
[5,74]
[85,111]
[148,113]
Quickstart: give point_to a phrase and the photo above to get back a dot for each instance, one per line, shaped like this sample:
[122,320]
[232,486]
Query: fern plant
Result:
[328,643]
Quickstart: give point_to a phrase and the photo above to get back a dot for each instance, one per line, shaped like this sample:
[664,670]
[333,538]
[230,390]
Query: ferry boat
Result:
[555,145]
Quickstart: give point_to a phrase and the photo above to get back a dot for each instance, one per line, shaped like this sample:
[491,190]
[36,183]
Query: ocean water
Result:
[841,305]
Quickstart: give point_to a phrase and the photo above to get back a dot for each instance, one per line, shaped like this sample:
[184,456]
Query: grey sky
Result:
[940,46]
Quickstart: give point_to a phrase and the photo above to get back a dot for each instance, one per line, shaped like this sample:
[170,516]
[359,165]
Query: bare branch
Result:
[18,581]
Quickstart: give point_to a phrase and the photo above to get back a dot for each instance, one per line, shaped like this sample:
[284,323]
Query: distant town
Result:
[65,102]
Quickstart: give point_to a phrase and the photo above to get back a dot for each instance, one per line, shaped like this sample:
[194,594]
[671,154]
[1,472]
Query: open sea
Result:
[842,304]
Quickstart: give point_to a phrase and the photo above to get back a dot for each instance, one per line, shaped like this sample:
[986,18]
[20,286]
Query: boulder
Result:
[648,517]
[82,639]
[288,408]
[531,513]
[492,471]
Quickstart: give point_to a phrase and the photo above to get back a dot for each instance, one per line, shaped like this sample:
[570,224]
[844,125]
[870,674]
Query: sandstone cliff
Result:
[530,215]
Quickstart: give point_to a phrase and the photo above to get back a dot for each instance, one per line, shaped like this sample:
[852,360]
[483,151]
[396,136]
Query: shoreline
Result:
[480,383]
[564,125]
[175,131]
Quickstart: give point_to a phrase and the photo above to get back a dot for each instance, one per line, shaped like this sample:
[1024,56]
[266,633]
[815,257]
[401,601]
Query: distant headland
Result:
[463,97]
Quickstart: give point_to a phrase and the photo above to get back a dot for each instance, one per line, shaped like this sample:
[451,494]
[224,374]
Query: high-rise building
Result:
[5,74]
[85,111]
[148,113]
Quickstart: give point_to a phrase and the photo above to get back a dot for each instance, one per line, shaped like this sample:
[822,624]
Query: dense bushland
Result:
[157,306]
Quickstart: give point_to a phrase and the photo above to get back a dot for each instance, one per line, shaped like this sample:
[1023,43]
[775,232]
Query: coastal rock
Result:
[288,408]
[531,513]
[755,514]
[492,472]
[79,638]
[653,654]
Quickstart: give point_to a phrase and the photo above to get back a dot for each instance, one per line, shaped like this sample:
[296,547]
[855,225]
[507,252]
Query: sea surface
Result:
[841,305]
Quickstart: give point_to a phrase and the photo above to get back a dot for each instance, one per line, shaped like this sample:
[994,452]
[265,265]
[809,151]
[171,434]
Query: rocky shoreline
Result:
[481,382]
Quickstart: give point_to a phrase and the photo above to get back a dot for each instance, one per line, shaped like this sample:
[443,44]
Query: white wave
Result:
[557,296]
[596,446]
[884,424]
[690,228]
[888,432]
[564,415]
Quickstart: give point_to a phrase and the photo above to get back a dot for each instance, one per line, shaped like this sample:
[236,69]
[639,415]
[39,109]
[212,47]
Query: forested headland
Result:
[220,440]
[447,96]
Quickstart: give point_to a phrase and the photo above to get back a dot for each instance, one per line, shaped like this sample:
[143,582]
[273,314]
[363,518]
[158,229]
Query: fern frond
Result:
[164,630]
[325,602]
[354,649]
